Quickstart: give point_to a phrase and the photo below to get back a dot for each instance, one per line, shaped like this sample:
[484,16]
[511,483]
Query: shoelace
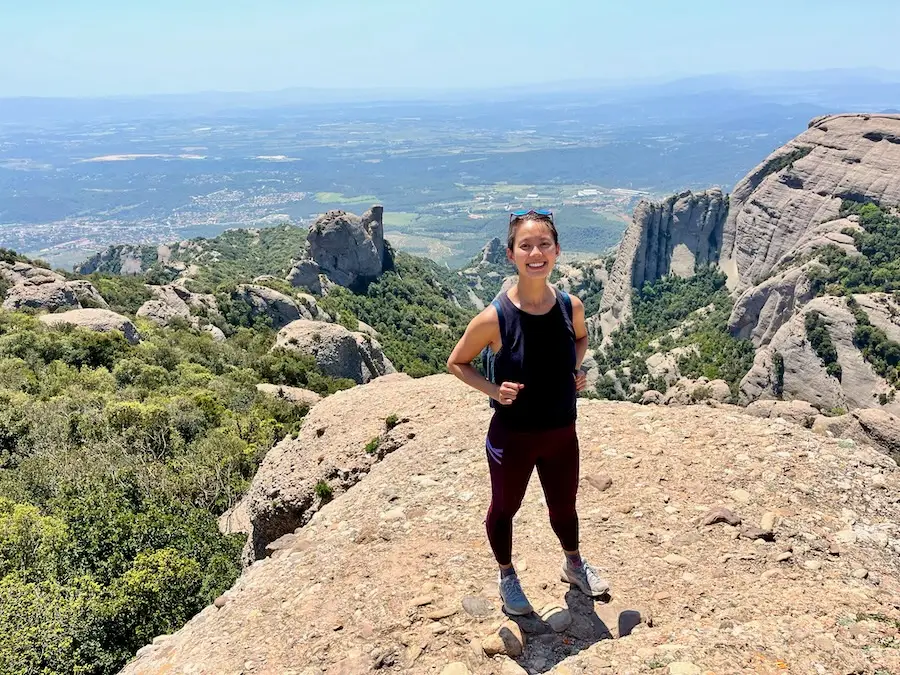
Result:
[591,575]
[513,588]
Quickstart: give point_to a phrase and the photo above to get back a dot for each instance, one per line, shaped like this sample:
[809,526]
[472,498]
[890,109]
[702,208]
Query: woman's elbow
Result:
[451,366]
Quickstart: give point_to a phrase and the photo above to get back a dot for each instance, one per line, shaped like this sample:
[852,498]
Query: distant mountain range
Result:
[834,89]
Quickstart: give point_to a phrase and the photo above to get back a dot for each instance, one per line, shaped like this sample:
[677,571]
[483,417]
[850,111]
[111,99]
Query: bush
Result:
[324,491]
[820,341]
[778,374]
[391,421]
[372,445]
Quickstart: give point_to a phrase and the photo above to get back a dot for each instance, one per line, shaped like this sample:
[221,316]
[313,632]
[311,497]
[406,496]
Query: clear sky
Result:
[113,47]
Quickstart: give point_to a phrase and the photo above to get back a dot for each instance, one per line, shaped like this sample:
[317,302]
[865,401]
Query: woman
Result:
[535,338]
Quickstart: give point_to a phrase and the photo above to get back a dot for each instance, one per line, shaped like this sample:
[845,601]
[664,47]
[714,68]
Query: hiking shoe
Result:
[586,578]
[514,600]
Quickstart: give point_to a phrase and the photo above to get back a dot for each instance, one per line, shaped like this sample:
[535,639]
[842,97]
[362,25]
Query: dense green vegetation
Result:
[787,160]
[241,255]
[877,269]
[778,374]
[880,351]
[115,460]
[701,305]
[411,307]
[820,341]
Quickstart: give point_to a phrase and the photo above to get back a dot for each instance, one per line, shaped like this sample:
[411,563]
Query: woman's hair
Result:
[515,222]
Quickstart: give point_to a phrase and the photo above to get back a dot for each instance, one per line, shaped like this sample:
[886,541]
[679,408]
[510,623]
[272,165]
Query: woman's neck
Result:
[532,293]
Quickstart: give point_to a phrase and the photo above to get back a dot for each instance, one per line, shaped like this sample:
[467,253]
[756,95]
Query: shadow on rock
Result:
[559,632]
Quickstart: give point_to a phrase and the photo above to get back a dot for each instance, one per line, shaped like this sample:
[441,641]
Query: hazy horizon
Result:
[103,49]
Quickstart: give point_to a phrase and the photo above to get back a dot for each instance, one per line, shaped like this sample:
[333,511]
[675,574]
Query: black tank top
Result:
[538,350]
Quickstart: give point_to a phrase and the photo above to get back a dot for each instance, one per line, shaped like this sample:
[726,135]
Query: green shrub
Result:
[820,341]
[778,374]
[391,421]
[372,445]
[324,491]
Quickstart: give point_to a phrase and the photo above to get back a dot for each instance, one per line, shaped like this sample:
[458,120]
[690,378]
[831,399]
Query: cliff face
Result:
[805,376]
[786,207]
[794,196]
[673,236]
[395,574]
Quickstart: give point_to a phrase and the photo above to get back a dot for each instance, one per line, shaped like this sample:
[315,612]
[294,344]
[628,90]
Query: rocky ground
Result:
[395,574]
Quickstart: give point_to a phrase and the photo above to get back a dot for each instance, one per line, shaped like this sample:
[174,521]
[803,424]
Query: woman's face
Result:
[534,253]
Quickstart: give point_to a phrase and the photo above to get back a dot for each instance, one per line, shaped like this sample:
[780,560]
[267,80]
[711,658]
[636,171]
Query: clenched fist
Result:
[508,391]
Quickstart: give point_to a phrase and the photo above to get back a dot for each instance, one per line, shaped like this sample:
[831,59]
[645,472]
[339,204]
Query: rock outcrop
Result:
[99,320]
[174,301]
[35,287]
[346,247]
[494,253]
[686,392]
[808,580]
[761,310]
[41,293]
[305,274]
[797,412]
[674,236]
[337,351]
[775,221]
[786,200]
[119,259]
[805,377]
[868,426]
[263,301]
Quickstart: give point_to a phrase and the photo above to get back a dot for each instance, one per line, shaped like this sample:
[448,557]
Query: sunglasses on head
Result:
[544,213]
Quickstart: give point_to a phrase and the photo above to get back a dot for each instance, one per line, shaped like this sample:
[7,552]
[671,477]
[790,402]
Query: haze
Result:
[102,48]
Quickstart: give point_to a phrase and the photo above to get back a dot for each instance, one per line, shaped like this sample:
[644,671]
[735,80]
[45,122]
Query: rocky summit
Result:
[779,240]
[733,544]
[785,207]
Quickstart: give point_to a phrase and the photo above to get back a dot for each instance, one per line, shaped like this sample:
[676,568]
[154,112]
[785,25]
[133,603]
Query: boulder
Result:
[292,394]
[870,426]
[184,301]
[214,331]
[686,391]
[337,351]
[651,396]
[264,301]
[664,365]
[19,272]
[88,296]
[305,274]
[798,412]
[882,428]
[309,309]
[41,293]
[160,312]
[99,320]
[348,248]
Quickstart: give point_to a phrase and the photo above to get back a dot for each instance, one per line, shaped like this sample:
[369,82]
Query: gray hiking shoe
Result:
[514,600]
[586,578]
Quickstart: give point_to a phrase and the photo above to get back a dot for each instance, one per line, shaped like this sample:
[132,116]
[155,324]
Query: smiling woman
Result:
[534,339]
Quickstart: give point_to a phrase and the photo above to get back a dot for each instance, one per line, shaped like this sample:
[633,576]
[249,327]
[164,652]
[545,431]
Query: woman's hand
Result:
[508,391]
[580,380]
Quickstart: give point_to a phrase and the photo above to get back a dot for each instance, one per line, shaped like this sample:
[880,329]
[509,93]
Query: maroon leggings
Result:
[512,455]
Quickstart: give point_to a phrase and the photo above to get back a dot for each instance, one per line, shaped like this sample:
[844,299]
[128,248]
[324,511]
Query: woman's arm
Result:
[581,341]
[581,334]
[482,331]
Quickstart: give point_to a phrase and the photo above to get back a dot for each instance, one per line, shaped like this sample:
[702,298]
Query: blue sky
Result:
[106,47]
